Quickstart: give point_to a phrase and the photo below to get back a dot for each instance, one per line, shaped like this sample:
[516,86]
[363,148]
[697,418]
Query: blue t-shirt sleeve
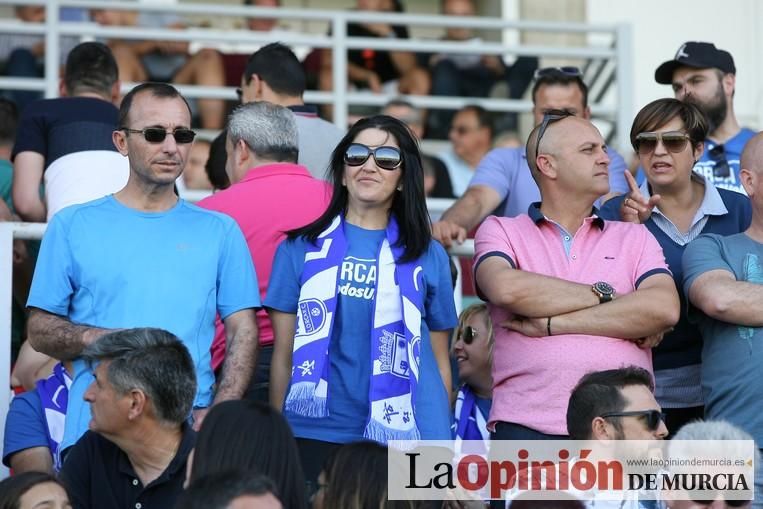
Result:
[440,305]
[617,169]
[702,255]
[496,169]
[52,286]
[30,135]
[24,425]
[236,277]
[283,287]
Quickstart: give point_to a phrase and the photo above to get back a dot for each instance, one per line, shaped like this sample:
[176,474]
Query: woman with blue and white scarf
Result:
[361,302]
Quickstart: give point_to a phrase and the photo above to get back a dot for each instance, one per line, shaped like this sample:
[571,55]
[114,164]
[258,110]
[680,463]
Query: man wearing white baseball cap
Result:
[706,76]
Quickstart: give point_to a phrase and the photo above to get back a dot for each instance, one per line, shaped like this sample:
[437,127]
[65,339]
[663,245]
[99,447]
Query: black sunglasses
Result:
[653,417]
[721,167]
[570,71]
[730,503]
[673,141]
[387,158]
[468,333]
[157,134]
[239,94]
[548,117]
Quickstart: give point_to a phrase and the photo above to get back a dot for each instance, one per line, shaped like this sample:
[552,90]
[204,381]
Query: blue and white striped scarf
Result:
[54,399]
[395,335]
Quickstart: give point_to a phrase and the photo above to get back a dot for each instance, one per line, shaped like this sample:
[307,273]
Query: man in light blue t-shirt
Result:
[142,257]
[704,75]
[502,183]
[723,279]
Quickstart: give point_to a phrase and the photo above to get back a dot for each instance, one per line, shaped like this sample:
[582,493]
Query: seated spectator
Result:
[391,72]
[67,142]
[436,179]
[139,440]
[677,204]
[616,404]
[473,349]
[33,490]
[230,490]
[34,426]
[471,138]
[166,61]
[356,477]
[472,75]
[22,55]
[250,436]
[195,175]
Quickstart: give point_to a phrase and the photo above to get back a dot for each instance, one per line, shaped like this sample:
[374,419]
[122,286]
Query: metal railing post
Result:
[339,70]
[625,80]
[6,304]
[52,48]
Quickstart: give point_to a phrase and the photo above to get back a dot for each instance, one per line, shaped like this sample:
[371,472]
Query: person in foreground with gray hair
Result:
[135,453]
[271,194]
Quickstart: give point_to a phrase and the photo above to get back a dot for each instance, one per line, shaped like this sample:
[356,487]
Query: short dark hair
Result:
[250,435]
[152,360]
[598,393]
[9,119]
[90,67]
[160,90]
[218,157]
[658,113]
[279,67]
[408,206]
[218,490]
[484,117]
[562,79]
[14,487]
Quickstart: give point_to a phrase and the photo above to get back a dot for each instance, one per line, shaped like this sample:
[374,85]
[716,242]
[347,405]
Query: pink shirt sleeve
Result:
[651,260]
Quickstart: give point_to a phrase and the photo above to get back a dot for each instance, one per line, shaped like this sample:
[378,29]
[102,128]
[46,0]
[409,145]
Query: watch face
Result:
[604,288]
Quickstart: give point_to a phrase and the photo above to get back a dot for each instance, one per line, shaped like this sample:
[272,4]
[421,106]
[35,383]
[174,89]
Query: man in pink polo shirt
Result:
[270,195]
[567,292]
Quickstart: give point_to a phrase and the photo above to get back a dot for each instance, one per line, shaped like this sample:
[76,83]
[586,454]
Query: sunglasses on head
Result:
[467,335]
[571,71]
[157,134]
[721,167]
[653,417]
[549,117]
[387,158]
[673,141]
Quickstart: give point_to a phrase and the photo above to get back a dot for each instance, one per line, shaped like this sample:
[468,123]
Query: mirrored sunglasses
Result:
[652,417]
[387,158]
[157,134]
[673,141]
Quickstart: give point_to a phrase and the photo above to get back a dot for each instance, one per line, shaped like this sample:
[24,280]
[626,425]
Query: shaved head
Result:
[557,135]
[752,157]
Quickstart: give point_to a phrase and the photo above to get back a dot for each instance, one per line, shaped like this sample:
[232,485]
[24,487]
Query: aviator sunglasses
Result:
[653,417]
[673,141]
[157,134]
[387,158]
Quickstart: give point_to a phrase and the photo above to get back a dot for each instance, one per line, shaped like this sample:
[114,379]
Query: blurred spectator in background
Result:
[67,141]
[436,179]
[471,137]
[232,489]
[195,175]
[472,75]
[391,72]
[166,61]
[9,118]
[33,490]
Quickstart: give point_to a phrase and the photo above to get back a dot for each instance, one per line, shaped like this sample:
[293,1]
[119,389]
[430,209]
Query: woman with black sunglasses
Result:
[677,205]
[361,304]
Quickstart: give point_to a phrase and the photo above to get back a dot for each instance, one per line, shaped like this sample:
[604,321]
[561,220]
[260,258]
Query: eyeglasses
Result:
[387,158]
[462,129]
[548,117]
[730,503]
[157,134]
[653,417]
[570,71]
[673,141]
[721,167]
[468,334]
[239,94]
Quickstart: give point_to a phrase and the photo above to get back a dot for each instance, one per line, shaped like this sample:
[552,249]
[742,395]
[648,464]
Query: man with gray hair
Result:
[135,453]
[270,195]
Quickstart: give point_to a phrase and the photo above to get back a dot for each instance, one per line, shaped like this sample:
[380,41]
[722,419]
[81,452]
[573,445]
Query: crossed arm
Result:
[574,309]
[719,295]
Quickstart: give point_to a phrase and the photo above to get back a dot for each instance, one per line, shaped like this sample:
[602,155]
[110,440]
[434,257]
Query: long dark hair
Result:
[13,488]
[408,205]
[251,436]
